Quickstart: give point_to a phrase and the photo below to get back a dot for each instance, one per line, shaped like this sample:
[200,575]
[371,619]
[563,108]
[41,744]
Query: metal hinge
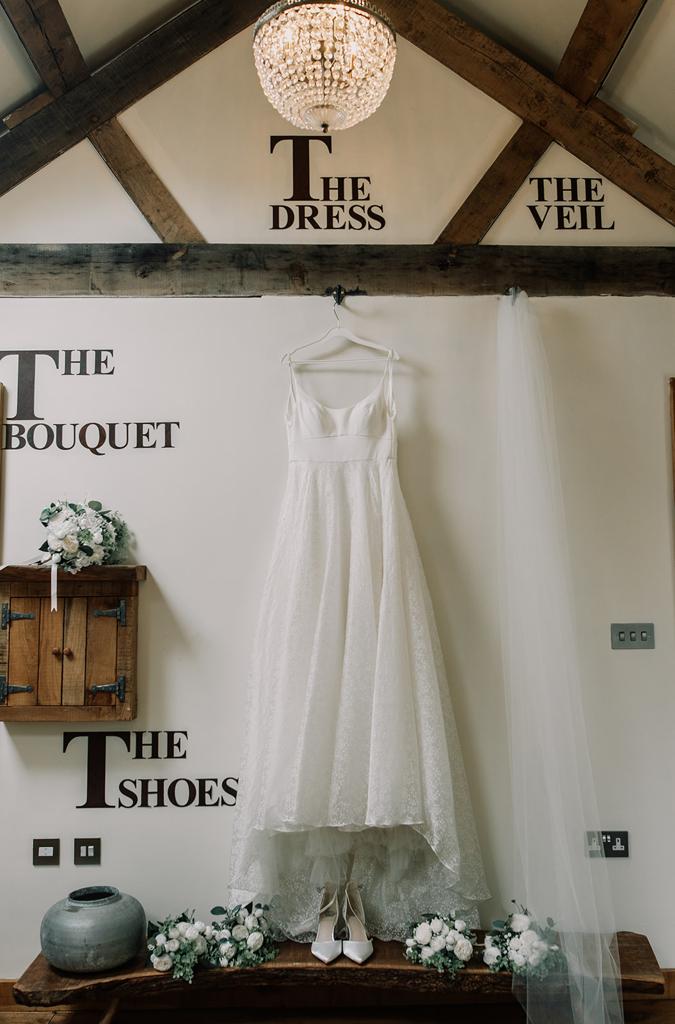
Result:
[119,687]
[8,616]
[5,690]
[119,613]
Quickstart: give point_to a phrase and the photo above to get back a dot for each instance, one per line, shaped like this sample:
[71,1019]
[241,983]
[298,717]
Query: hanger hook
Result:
[336,313]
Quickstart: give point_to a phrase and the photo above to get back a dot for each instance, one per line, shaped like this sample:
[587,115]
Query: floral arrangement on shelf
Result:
[82,535]
[180,944]
[444,943]
[521,946]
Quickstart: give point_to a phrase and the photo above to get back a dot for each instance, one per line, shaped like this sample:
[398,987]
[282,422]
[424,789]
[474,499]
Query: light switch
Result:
[87,851]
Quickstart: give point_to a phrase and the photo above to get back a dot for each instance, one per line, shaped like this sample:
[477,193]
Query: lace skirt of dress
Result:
[352,765]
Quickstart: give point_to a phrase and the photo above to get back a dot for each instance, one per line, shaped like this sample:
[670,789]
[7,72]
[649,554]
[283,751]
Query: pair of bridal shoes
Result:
[357,946]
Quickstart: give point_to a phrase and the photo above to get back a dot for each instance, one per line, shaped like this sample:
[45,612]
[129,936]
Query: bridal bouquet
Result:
[444,943]
[522,946]
[242,938]
[180,944]
[82,535]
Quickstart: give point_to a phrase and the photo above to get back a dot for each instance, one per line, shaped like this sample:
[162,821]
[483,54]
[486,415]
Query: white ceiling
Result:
[641,84]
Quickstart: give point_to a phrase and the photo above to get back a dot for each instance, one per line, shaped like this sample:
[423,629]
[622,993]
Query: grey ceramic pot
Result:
[93,929]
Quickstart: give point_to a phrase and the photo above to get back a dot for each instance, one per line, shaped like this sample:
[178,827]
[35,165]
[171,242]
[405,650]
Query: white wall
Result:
[204,514]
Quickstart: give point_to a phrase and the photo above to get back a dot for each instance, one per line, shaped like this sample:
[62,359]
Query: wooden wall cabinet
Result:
[77,663]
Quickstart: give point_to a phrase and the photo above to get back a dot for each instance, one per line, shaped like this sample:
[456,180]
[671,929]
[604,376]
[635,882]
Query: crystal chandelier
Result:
[324,65]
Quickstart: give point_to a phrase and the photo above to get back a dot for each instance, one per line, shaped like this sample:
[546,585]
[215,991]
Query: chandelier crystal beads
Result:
[324,66]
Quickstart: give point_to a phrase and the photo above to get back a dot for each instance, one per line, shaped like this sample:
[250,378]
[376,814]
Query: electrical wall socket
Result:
[612,843]
[46,851]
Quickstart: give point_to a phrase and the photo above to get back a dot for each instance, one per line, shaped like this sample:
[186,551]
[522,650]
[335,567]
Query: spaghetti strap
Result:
[389,373]
[292,397]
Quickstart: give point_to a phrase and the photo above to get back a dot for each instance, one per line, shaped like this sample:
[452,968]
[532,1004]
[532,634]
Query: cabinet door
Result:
[74,650]
[101,661]
[50,664]
[24,640]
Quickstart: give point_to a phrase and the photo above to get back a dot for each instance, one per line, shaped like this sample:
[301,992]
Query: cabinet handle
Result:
[56,651]
[67,652]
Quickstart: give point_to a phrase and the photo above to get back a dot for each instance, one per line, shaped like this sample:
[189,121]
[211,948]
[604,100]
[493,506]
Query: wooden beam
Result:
[121,82]
[254,270]
[596,42]
[601,32]
[157,204]
[42,28]
[46,35]
[495,190]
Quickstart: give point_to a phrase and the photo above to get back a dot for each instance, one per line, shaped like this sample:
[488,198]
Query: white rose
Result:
[489,941]
[410,943]
[173,933]
[160,939]
[224,933]
[208,931]
[183,927]
[255,941]
[491,955]
[423,933]
[426,952]
[515,944]
[70,545]
[529,937]
[517,959]
[251,922]
[463,949]
[437,943]
[172,945]
[460,926]
[200,944]
[258,911]
[191,933]
[223,962]
[262,924]
[519,923]
[436,925]
[451,938]
[228,950]
[200,926]
[54,543]
[97,537]
[241,916]
[239,932]
[162,963]
[444,930]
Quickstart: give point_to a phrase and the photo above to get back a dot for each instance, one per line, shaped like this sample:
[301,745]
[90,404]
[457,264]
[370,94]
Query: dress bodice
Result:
[363,431]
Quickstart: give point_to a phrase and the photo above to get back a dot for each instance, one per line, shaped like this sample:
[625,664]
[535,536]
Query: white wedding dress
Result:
[352,765]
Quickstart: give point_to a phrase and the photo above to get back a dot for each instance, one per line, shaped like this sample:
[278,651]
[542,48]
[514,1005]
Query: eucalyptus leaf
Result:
[87,550]
[218,911]
[96,505]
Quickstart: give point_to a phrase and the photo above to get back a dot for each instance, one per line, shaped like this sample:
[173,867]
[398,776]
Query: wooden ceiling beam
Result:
[251,270]
[596,42]
[147,64]
[42,28]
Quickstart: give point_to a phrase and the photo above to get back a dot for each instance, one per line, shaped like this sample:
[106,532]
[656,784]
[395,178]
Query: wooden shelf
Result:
[297,978]
[41,573]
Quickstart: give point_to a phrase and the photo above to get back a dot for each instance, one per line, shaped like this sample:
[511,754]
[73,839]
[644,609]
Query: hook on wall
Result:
[339,293]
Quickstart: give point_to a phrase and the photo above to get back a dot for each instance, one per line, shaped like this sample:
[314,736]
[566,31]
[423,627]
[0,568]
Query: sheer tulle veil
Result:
[554,801]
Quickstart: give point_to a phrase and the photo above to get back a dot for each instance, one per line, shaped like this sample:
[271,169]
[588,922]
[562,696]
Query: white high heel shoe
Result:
[325,946]
[357,946]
